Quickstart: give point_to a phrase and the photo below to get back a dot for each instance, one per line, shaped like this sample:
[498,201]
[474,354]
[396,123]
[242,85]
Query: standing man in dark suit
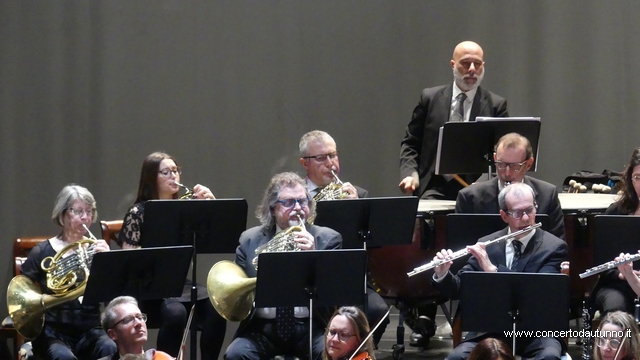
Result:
[513,158]
[316,149]
[319,157]
[463,100]
[261,335]
[536,251]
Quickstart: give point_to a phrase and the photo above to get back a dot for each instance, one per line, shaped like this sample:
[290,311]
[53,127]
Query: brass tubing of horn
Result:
[230,290]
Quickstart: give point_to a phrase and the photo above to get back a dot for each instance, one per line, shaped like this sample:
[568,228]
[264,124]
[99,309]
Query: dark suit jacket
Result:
[251,239]
[482,198]
[419,147]
[544,254]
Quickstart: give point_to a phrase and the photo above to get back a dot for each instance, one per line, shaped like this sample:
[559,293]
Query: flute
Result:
[461,253]
[608,266]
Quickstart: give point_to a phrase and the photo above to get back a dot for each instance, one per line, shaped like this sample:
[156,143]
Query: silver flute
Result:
[461,253]
[608,266]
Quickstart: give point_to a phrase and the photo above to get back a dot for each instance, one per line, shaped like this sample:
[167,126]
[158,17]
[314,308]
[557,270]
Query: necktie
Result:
[285,322]
[458,110]
[517,252]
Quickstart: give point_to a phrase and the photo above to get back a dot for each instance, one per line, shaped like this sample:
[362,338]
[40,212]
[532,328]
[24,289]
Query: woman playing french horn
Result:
[160,179]
[71,330]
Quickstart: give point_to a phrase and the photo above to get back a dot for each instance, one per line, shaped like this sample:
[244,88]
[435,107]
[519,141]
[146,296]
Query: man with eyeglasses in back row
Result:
[268,332]
[127,327]
[513,158]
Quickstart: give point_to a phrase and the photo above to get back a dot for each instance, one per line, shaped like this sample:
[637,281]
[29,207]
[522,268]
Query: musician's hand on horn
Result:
[101,246]
[408,185]
[202,192]
[443,269]
[305,240]
[480,253]
[350,190]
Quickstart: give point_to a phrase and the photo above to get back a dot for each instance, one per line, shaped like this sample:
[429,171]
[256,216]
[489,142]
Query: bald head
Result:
[468,65]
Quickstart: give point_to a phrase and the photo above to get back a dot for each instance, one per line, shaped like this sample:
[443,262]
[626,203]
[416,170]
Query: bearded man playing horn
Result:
[71,330]
[285,203]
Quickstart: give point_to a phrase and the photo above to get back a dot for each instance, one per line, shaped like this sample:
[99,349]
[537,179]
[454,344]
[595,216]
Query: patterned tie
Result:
[517,252]
[458,110]
[285,322]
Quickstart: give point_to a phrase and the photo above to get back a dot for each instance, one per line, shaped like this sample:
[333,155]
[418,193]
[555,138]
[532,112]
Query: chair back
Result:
[111,230]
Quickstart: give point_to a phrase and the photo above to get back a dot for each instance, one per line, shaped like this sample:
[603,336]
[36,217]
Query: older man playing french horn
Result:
[285,209]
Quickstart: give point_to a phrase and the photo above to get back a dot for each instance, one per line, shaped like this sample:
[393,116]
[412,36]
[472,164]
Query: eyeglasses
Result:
[79,212]
[167,172]
[635,178]
[289,203]
[342,336]
[613,343]
[129,319]
[323,157]
[515,167]
[517,214]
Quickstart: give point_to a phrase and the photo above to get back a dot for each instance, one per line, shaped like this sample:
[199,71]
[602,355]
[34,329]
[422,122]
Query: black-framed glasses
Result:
[323,157]
[79,212]
[130,318]
[613,343]
[518,214]
[515,167]
[342,335]
[166,172]
[289,203]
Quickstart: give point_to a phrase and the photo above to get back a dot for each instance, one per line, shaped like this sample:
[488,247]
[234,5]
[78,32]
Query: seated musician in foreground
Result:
[159,178]
[612,292]
[347,329]
[319,157]
[491,349]
[71,330]
[619,338]
[513,157]
[127,326]
[264,334]
[536,251]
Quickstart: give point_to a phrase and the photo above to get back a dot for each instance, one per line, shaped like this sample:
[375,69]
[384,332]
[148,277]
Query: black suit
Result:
[256,338]
[419,147]
[482,198]
[544,254]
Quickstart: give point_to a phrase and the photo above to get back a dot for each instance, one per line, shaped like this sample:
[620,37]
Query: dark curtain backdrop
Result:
[89,88]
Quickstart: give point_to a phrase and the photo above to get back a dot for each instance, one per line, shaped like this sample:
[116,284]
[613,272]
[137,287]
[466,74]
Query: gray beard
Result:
[459,80]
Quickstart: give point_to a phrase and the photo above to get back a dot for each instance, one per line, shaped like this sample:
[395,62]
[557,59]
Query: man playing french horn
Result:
[266,333]
[319,157]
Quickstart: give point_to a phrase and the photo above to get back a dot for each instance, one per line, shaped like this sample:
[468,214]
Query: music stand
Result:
[474,153]
[370,222]
[306,277]
[615,234]
[500,302]
[210,226]
[145,274]
[466,229]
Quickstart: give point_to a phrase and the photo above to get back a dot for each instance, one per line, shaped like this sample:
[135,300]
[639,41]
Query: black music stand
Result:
[142,273]
[466,229]
[615,234]
[210,226]
[306,277]
[499,302]
[370,222]
[467,147]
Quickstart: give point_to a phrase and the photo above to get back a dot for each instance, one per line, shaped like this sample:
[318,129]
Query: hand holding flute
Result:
[477,250]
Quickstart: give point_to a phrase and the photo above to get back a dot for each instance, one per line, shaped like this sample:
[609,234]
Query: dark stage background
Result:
[89,88]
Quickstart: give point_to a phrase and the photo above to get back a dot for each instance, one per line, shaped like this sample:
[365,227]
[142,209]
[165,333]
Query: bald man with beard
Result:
[462,100]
